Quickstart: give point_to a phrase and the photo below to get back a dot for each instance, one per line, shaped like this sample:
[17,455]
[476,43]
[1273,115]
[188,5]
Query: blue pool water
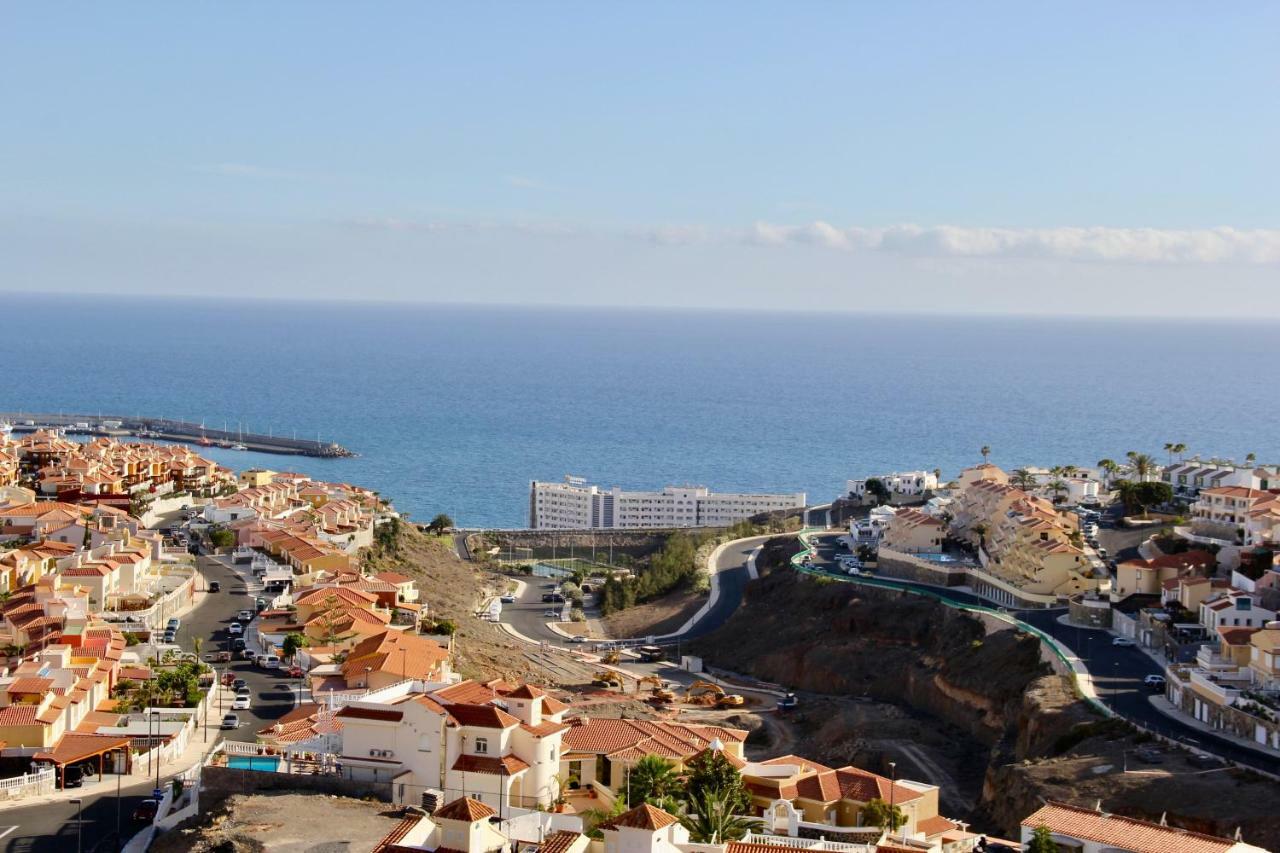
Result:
[940,558]
[269,763]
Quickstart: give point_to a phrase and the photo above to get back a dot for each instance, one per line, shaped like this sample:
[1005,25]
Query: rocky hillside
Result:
[994,721]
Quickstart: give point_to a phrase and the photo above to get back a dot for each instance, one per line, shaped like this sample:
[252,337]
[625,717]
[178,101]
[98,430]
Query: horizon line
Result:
[611,307]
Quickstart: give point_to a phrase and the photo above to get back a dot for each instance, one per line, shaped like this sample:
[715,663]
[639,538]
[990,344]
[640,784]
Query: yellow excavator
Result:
[700,689]
[611,657]
[660,694]
[606,678]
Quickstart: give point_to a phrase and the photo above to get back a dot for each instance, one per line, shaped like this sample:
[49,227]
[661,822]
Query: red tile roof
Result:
[482,716]
[507,765]
[643,816]
[465,808]
[353,712]
[1125,833]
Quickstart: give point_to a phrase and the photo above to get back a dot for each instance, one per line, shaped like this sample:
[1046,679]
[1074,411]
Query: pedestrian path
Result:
[1164,706]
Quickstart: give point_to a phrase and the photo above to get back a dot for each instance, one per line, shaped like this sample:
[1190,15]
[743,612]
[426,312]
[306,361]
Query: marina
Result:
[165,429]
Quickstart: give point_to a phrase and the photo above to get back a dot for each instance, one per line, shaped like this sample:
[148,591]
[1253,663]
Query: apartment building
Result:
[913,532]
[1225,512]
[1023,541]
[1189,478]
[574,504]
[899,483]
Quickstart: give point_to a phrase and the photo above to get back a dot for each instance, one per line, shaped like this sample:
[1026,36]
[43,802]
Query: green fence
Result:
[911,589]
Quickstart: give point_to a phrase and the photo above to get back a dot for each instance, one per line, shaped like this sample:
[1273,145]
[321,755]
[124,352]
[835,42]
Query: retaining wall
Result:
[217,782]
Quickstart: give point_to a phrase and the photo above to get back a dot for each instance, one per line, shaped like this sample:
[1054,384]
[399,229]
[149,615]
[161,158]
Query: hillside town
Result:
[108,546]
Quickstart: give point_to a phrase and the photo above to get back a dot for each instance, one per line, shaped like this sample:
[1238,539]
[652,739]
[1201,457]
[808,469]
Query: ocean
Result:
[456,408]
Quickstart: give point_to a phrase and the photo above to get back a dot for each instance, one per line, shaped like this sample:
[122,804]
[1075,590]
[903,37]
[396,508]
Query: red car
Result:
[295,671]
[146,811]
[228,678]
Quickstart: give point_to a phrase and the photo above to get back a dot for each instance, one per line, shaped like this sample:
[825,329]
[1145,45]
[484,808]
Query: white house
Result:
[900,483]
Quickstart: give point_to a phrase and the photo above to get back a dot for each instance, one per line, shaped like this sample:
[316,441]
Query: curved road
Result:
[1116,671]
[528,614]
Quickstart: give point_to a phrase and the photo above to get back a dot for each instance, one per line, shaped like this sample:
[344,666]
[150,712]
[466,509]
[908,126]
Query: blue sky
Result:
[1090,158]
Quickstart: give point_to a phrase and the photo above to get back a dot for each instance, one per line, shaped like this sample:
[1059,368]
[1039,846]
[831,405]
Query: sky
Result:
[1082,158]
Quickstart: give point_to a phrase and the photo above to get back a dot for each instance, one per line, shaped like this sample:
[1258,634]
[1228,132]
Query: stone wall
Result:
[896,564]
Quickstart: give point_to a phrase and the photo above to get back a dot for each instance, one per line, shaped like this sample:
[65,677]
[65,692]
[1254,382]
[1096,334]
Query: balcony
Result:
[1224,690]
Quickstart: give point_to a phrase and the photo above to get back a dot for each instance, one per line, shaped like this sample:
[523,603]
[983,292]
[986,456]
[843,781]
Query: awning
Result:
[73,748]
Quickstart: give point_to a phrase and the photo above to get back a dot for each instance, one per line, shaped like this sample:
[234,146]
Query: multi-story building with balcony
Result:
[576,505]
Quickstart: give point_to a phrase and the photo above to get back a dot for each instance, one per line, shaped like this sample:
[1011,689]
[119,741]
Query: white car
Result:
[1154,681]
[1122,641]
[578,639]
[551,614]
[241,703]
[231,721]
[508,599]
[235,629]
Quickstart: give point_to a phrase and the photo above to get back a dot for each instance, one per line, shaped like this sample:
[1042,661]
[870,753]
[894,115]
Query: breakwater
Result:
[119,426]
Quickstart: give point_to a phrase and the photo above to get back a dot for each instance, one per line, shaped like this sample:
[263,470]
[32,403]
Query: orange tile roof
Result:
[482,716]
[1138,836]
[643,816]
[465,808]
[507,765]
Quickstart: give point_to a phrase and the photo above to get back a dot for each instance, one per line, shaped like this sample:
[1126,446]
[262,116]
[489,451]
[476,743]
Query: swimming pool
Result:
[269,763]
[940,558]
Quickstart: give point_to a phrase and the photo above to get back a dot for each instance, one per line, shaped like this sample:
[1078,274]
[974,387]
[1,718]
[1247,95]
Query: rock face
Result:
[838,638]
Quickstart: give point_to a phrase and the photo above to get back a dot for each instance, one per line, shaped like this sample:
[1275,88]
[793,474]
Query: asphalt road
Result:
[1117,671]
[528,614]
[51,826]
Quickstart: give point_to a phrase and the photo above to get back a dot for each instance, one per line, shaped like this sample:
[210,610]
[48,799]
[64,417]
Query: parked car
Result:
[245,616]
[146,811]
[214,586]
[508,599]
[173,624]
[239,684]
[235,629]
[1155,682]
[217,657]
[73,777]
[1121,641]
[231,721]
[1204,760]
[551,614]
[268,661]
[241,702]
[237,644]
[228,678]
[295,671]
[247,654]
[578,639]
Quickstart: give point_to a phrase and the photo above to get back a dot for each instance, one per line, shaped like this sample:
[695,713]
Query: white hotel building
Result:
[576,505]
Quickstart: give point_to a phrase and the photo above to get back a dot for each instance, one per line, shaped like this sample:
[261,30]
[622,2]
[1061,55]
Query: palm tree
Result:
[652,780]
[1169,448]
[1022,478]
[1251,459]
[714,821]
[985,451]
[1057,487]
[1070,470]
[1142,465]
[197,643]
[1179,449]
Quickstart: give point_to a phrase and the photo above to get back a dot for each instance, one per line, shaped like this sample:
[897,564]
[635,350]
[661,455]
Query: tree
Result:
[1142,465]
[292,642]
[440,524]
[878,490]
[1142,495]
[1110,466]
[1042,841]
[1251,459]
[220,537]
[713,819]
[197,643]
[1058,488]
[711,771]
[985,451]
[1022,478]
[652,780]
[879,813]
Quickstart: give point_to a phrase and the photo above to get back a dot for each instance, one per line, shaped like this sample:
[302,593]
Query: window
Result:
[482,746]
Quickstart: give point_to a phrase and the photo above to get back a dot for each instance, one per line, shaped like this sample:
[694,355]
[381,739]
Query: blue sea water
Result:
[454,409]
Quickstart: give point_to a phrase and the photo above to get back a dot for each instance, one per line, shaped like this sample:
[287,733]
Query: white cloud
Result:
[1095,243]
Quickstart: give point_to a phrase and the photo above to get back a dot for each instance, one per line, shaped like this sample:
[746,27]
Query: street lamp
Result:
[79,811]
[893,779]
